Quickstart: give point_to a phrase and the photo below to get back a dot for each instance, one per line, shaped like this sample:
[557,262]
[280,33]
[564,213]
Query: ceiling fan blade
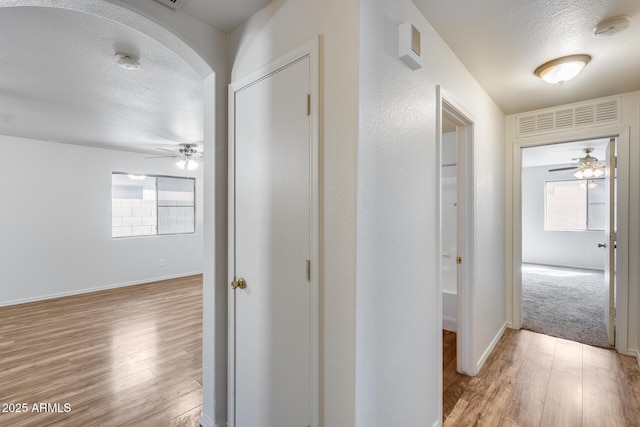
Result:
[159,157]
[563,169]
[166,149]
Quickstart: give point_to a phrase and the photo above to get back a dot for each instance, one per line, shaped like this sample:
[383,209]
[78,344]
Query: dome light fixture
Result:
[562,69]
[128,62]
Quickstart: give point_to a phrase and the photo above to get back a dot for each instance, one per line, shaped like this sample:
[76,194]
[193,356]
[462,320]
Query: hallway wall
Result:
[398,366]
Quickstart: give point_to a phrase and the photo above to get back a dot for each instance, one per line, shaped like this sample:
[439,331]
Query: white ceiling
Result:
[58,79]
[61,83]
[501,42]
[225,15]
[562,154]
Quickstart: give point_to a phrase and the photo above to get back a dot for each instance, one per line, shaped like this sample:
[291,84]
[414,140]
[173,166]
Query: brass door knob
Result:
[602,245]
[238,283]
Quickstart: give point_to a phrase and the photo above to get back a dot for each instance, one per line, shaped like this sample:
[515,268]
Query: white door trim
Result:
[445,104]
[310,49]
[622,257]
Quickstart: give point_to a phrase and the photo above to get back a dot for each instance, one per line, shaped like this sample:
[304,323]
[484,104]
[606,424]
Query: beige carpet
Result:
[564,302]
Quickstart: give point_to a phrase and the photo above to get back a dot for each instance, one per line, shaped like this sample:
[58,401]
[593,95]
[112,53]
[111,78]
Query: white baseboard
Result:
[489,349]
[95,289]
[450,323]
[634,353]
[509,325]
[437,424]
[205,421]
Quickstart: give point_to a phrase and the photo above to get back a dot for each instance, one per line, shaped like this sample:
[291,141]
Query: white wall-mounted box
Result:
[410,45]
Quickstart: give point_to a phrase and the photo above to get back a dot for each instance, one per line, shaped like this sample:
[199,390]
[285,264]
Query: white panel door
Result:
[610,236]
[272,246]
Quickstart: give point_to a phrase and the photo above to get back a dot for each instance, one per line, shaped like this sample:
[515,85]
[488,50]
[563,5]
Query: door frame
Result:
[446,105]
[622,133]
[310,49]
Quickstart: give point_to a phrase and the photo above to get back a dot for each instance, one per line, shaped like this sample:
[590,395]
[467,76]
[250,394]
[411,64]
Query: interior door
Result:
[272,246]
[610,236]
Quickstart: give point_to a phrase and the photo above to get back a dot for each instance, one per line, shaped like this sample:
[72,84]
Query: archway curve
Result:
[131,18]
[214,355]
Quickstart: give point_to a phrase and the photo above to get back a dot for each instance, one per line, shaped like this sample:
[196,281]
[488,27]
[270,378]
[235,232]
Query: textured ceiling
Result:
[59,81]
[501,42]
[562,154]
[225,15]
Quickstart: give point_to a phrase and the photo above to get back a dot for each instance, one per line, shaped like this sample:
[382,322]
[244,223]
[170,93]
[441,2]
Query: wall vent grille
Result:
[602,111]
[173,4]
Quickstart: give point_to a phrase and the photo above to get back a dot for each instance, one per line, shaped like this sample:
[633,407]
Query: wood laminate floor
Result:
[537,380]
[123,357]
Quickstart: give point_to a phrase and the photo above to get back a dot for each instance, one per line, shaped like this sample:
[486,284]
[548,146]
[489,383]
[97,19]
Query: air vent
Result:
[603,111]
[173,4]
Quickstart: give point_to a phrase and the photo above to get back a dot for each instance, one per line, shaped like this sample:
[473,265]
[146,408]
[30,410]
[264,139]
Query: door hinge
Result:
[614,162]
[612,312]
[308,104]
[309,270]
[458,260]
[613,237]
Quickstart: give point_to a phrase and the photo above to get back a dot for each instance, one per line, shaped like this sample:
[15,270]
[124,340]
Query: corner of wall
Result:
[490,348]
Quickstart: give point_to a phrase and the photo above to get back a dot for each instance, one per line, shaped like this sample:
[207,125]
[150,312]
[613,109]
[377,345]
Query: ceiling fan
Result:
[587,167]
[187,155]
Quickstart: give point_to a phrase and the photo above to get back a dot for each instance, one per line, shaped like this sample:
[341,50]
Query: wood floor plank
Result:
[533,380]
[564,401]
[128,356]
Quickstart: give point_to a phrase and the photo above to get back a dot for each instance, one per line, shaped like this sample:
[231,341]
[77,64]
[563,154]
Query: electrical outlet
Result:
[161,262]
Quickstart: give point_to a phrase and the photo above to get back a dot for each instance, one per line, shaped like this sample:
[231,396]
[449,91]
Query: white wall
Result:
[577,249]
[55,223]
[398,329]
[278,28]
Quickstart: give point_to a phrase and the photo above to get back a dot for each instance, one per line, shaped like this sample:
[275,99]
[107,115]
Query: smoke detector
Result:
[173,4]
[128,62]
[611,26]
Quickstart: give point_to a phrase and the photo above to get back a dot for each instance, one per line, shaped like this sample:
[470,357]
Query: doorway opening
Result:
[568,211]
[455,211]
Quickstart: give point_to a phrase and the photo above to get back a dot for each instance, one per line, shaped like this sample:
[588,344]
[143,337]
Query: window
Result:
[151,205]
[575,205]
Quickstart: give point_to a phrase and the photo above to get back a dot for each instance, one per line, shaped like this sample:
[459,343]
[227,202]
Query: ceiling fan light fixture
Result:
[589,166]
[187,164]
[560,70]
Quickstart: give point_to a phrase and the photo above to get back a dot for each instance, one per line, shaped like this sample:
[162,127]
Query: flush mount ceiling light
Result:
[560,70]
[611,26]
[128,62]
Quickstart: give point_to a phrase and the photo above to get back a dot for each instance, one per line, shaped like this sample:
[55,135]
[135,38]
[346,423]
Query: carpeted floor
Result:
[564,302]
